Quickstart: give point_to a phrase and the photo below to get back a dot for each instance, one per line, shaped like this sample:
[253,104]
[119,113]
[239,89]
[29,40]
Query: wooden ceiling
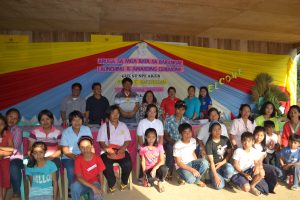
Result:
[261,20]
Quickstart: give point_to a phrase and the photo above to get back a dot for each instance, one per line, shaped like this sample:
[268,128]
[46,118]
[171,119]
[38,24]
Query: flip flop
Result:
[201,184]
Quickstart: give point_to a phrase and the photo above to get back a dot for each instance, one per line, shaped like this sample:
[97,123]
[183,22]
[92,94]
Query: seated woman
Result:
[150,121]
[114,138]
[267,112]
[203,135]
[292,126]
[88,171]
[69,141]
[6,150]
[16,160]
[243,123]
[148,98]
[48,134]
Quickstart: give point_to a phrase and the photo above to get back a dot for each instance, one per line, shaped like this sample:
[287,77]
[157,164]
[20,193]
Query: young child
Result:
[152,154]
[271,172]
[272,144]
[189,168]
[6,149]
[88,171]
[290,160]
[219,152]
[248,168]
[42,174]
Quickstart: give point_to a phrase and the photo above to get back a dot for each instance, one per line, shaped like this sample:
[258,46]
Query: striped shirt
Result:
[52,139]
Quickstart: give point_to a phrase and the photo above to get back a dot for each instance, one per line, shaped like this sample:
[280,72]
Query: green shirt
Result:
[261,119]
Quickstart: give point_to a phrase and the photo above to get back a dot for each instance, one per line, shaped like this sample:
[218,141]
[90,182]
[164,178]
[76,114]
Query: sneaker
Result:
[294,187]
[181,181]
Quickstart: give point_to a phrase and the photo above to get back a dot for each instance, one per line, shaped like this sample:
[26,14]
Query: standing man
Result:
[72,102]
[96,106]
[128,102]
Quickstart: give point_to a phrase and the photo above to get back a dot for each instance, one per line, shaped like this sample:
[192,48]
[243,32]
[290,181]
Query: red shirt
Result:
[89,170]
[287,132]
[4,139]
[168,105]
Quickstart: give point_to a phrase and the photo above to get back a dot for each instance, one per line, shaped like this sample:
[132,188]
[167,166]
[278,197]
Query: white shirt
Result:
[238,127]
[273,139]
[144,124]
[246,159]
[118,135]
[203,134]
[184,151]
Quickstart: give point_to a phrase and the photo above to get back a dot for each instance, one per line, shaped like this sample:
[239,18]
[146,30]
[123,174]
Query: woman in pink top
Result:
[153,161]
[48,134]
[292,126]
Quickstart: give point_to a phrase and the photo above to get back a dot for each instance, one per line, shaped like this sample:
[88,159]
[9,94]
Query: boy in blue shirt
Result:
[290,160]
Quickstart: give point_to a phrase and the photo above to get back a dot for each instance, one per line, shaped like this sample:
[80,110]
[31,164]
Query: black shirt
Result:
[218,150]
[97,109]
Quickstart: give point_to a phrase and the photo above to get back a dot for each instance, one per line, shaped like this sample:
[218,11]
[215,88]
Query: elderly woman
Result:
[148,98]
[48,134]
[69,141]
[114,138]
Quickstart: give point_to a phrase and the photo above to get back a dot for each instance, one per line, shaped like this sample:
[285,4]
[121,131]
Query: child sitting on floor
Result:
[290,160]
[189,168]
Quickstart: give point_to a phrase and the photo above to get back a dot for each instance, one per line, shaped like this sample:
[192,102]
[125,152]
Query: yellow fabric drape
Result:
[280,67]
[19,56]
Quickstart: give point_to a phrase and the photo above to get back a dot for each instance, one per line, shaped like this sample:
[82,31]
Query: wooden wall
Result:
[229,44]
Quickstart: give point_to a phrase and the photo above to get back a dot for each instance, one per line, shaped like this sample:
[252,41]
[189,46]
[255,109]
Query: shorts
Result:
[240,180]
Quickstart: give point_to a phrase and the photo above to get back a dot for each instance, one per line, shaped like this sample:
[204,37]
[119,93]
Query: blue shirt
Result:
[41,180]
[290,156]
[70,139]
[205,102]
[192,106]
[171,126]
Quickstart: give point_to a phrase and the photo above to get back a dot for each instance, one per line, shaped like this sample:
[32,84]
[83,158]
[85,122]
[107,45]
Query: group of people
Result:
[251,154]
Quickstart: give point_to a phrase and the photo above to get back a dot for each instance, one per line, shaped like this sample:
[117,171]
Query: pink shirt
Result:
[287,132]
[52,139]
[151,156]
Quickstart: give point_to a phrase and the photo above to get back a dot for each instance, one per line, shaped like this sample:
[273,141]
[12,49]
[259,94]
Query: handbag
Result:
[113,147]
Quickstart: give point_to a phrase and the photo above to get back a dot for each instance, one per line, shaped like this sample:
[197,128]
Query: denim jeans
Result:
[225,172]
[169,156]
[201,165]
[16,165]
[69,165]
[294,170]
[78,189]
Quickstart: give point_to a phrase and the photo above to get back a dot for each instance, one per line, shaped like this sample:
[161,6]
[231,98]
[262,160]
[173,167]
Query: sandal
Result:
[255,191]
[123,186]
[161,188]
[111,189]
[201,184]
